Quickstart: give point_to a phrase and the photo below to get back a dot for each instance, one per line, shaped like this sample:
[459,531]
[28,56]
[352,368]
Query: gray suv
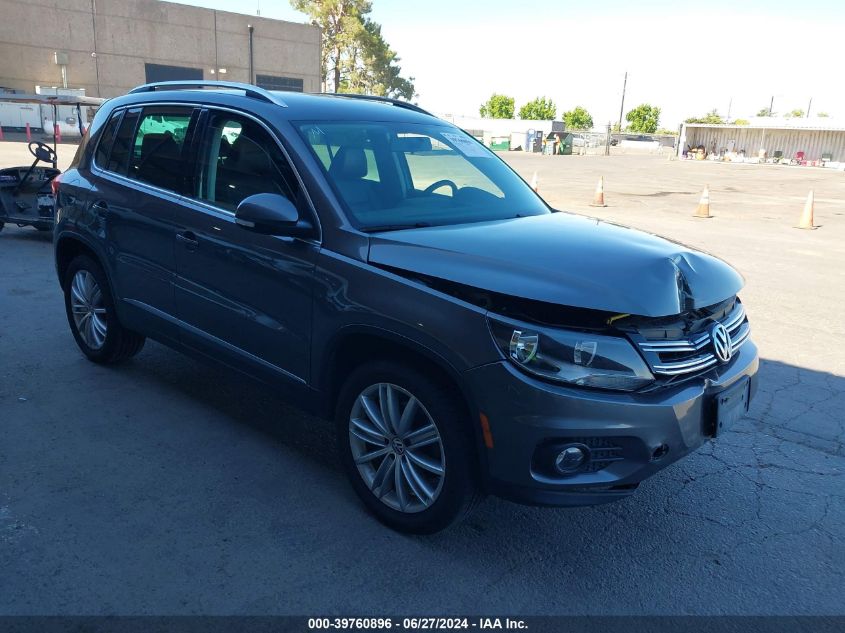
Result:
[382,268]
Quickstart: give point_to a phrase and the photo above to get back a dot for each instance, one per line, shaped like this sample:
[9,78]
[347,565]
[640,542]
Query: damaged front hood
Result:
[564,259]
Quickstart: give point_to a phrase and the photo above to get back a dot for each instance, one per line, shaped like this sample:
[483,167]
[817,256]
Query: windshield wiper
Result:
[395,227]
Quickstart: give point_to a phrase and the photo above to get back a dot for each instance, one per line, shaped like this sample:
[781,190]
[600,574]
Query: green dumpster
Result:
[564,142]
[500,143]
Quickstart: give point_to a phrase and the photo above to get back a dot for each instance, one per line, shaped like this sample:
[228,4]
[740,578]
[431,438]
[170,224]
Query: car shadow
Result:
[751,482]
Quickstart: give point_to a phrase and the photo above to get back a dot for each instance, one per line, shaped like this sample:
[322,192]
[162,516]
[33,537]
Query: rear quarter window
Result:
[101,156]
[121,148]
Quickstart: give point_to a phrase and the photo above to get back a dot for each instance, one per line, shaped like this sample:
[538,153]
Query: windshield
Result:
[405,175]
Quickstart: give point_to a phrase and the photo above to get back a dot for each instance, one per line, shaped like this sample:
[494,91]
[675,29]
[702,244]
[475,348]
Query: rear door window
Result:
[158,149]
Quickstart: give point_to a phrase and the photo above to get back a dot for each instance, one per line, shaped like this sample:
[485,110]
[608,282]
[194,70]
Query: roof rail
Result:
[248,89]
[395,102]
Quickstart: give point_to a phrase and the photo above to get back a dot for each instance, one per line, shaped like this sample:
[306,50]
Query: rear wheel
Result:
[92,316]
[406,447]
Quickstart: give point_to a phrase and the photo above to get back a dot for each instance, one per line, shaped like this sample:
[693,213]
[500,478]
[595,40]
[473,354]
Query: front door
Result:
[239,294]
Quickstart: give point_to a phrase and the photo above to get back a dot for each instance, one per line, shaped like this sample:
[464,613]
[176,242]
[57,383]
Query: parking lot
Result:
[165,486]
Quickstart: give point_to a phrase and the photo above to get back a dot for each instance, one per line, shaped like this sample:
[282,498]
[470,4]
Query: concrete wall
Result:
[109,41]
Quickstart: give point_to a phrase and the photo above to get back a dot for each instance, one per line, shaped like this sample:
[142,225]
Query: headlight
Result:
[577,358]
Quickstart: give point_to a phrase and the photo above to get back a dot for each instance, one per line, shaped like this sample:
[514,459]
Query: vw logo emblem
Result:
[398,446]
[721,339]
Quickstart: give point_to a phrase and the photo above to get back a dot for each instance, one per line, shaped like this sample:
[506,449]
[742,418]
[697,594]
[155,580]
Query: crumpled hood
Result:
[565,259]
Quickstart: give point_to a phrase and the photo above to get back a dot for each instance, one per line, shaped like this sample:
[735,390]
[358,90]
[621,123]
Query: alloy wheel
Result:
[88,309]
[397,448]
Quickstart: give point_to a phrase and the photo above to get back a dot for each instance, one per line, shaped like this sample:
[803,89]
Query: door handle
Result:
[188,239]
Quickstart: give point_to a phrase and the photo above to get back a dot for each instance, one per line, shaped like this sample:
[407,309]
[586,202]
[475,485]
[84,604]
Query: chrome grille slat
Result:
[737,327]
[693,345]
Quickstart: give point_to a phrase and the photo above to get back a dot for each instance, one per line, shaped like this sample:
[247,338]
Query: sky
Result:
[685,57]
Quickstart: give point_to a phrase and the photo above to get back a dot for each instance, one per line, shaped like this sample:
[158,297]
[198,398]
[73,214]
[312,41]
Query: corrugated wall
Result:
[814,143]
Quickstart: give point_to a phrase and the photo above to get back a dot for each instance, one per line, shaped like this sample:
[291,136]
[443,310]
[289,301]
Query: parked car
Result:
[384,269]
[583,140]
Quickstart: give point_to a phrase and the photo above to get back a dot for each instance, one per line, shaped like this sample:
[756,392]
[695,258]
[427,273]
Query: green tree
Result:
[578,119]
[742,122]
[371,67]
[822,115]
[497,107]
[712,117]
[667,132]
[540,109]
[797,113]
[644,118]
[765,112]
[354,56]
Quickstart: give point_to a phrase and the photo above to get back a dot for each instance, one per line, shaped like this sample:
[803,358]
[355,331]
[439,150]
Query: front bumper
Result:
[632,435]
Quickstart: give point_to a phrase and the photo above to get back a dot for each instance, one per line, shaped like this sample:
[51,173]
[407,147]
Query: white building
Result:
[814,141]
[494,131]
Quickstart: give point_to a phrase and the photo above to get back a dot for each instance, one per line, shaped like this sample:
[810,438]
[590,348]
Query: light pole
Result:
[622,107]
[250,28]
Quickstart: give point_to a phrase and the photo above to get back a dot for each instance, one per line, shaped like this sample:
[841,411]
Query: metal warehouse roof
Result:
[817,124]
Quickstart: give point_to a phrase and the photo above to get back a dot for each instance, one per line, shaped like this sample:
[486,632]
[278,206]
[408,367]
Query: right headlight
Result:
[571,357]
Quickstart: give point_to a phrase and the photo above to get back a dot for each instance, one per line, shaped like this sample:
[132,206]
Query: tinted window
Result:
[163,72]
[157,150]
[106,138]
[271,82]
[409,174]
[240,159]
[122,146]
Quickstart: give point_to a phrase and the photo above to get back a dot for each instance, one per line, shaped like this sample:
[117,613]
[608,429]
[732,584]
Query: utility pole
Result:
[251,28]
[810,105]
[622,107]
[730,103]
[772,105]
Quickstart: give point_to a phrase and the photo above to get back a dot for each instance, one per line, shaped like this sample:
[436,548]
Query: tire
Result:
[433,502]
[2,224]
[97,331]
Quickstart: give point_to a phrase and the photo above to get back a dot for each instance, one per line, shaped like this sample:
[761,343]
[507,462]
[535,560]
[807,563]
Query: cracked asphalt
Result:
[167,486]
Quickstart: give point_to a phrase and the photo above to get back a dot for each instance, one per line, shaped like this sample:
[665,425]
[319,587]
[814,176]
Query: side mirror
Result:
[271,214]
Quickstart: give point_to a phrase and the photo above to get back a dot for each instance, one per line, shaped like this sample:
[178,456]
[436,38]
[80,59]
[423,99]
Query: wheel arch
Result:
[353,346]
[71,245]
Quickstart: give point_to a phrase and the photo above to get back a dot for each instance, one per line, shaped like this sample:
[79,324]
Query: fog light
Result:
[570,459]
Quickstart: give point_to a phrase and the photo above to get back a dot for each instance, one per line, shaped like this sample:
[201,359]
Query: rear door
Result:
[239,294]
[137,185]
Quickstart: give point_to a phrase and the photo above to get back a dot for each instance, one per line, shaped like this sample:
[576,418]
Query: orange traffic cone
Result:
[598,198]
[806,221]
[1,132]
[703,210]
[535,183]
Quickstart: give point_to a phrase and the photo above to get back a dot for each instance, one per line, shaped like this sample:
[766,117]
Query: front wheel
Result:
[407,448]
[92,316]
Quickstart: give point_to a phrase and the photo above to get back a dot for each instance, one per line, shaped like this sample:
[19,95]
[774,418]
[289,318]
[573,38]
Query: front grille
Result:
[603,452]
[692,354]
